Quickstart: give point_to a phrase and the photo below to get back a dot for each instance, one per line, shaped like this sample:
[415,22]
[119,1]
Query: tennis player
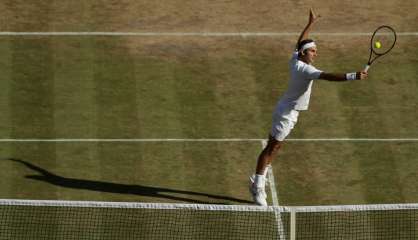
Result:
[295,99]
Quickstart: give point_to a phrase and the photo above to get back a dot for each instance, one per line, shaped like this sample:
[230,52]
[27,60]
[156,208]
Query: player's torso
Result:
[299,87]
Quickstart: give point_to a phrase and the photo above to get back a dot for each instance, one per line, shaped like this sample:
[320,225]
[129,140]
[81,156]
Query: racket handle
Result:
[366,68]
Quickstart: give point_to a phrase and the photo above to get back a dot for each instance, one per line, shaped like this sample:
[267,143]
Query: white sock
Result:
[260,180]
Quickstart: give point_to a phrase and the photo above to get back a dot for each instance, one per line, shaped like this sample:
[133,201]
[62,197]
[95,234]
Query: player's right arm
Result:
[312,19]
[339,77]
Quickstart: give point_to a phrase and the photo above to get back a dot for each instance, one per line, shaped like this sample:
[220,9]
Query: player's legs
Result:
[267,155]
[283,122]
[258,181]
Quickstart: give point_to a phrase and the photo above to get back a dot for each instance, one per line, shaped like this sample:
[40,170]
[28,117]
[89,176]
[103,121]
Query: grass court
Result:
[192,87]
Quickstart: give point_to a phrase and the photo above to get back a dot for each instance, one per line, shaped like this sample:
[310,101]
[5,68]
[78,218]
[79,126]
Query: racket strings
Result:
[383,40]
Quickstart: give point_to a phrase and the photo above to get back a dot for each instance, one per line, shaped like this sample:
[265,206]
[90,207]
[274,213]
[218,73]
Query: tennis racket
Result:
[382,41]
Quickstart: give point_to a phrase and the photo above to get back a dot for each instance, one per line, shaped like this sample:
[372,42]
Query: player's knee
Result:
[276,147]
[273,147]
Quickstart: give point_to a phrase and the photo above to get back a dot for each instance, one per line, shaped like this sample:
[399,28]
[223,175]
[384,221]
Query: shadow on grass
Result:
[108,187]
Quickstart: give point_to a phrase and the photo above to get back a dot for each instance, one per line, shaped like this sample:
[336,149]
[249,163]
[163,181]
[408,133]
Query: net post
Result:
[292,224]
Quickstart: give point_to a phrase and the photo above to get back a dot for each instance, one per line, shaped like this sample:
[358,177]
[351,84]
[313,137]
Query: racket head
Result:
[385,36]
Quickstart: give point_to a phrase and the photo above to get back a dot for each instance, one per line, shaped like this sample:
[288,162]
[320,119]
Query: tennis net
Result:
[34,219]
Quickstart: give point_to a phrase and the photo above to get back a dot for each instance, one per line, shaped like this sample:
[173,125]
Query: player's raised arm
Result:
[312,19]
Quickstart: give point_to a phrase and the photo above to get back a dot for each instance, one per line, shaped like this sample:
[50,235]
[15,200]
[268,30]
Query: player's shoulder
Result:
[304,69]
[301,65]
[295,54]
[294,58]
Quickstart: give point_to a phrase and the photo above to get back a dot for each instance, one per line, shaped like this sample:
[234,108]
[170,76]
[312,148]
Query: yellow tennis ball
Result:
[377,44]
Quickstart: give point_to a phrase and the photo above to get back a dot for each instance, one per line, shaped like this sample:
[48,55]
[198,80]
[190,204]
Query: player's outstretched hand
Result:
[362,75]
[312,17]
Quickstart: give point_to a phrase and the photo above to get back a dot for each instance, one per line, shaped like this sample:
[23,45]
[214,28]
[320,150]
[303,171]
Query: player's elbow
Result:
[325,76]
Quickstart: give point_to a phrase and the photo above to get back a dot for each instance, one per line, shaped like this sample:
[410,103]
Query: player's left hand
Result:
[312,17]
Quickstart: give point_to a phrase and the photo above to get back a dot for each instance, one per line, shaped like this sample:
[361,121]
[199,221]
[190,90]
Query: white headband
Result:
[308,45]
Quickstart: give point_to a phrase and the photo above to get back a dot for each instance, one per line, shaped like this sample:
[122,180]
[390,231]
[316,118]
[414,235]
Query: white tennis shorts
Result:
[284,119]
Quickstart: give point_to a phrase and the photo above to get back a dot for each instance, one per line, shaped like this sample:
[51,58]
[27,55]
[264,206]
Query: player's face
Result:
[310,54]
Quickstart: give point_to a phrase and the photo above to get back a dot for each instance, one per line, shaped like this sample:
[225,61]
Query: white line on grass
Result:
[272,184]
[195,34]
[275,200]
[206,140]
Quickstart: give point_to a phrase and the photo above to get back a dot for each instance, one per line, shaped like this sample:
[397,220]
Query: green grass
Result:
[145,172]
[115,87]
[197,87]
[347,173]
[124,87]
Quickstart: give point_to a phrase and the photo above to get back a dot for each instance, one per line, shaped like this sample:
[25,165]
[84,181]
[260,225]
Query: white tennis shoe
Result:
[258,193]
[252,179]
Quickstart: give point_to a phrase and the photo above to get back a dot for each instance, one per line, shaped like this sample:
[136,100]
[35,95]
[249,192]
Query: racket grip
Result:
[366,68]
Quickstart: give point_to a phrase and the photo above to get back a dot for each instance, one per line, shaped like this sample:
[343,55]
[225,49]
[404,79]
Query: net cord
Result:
[209,207]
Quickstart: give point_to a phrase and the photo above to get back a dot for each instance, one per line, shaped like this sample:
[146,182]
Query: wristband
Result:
[350,76]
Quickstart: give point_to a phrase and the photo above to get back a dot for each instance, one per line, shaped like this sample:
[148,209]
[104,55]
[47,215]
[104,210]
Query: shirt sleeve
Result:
[294,55]
[310,72]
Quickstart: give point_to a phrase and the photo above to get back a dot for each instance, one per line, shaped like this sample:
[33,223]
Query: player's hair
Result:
[303,42]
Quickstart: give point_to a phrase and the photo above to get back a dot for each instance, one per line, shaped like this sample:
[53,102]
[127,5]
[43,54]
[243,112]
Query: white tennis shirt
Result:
[298,92]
